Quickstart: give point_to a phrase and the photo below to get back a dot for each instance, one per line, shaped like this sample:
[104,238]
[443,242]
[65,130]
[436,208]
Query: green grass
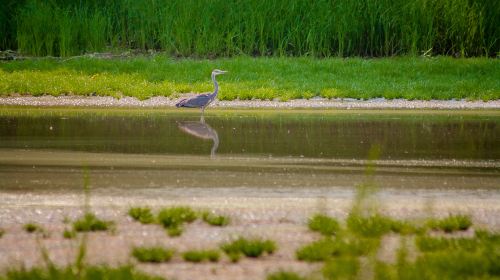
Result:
[253,27]
[341,268]
[324,224]
[142,214]
[69,234]
[70,273]
[197,256]
[284,275]
[215,220]
[31,227]
[252,248]
[451,223]
[89,222]
[173,218]
[2,232]
[328,248]
[259,78]
[152,254]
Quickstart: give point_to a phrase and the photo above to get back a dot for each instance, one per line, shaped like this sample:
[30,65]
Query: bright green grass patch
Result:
[90,222]
[284,275]
[451,223]
[341,268]
[201,255]
[377,225]
[324,224]
[70,273]
[173,218]
[215,220]
[152,254]
[260,78]
[141,214]
[252,248]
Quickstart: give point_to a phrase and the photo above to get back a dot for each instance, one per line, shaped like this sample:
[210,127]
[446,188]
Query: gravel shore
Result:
[346,103]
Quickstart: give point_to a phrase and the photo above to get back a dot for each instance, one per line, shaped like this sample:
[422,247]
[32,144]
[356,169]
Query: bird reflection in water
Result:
[201,130]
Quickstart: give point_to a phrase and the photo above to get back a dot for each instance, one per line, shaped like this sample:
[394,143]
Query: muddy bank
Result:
[346,103]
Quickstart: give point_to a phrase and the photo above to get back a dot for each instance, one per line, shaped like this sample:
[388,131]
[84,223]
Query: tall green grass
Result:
[210,28]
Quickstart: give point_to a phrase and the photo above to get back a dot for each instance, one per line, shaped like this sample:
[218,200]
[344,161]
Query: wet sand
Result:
[345,103]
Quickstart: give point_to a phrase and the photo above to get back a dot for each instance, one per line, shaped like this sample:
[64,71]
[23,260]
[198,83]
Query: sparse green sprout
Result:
[69,234]
[2,232]
[215,220]
[451,223]
[252,248]
[142,214]
[200,256]
[175,231]
[152,254]
[341,268]
[284,275]
[89,222]
[324,224]
[172,218]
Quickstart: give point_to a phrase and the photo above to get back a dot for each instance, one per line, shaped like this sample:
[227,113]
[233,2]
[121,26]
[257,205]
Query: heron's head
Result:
[218,72]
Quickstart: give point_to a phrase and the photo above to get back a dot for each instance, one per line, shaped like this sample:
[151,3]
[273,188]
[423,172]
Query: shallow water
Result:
[248,152]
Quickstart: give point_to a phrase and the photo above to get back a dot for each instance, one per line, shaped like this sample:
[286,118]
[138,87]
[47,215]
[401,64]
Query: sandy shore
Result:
[346,103]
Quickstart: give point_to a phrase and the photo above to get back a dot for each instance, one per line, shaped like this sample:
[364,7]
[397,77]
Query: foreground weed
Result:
[89,222]
[328,248]
[141,214]
[152,254]
[324,224]
[451,223]
[284,275]
[215,220]
[341,268]
[70,273]
[252,248]
[200,256]
[175,216]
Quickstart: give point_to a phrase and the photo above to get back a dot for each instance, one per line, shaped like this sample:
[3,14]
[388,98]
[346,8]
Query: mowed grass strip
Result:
[258,78]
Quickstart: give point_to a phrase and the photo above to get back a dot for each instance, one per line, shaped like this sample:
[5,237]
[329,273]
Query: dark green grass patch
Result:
[176,216]
[32,227]
[324,224]
[201,255]
[451,223]
[141,214]
[152,254]
[258,78]
[215,220]
[70,273]
[284,275]
[90,222]
[252,248]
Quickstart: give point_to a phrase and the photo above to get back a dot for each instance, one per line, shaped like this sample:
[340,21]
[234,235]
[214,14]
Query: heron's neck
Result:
[216,87]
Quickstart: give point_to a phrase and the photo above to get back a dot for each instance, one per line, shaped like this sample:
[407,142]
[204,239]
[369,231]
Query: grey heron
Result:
[202,100]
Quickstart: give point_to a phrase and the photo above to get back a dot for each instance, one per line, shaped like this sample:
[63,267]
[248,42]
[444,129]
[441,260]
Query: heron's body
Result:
[202,100]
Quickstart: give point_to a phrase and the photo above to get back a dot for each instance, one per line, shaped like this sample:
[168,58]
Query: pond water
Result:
[253,152]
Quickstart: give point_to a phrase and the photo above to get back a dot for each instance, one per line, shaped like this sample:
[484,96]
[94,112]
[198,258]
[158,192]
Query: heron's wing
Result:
[194,102]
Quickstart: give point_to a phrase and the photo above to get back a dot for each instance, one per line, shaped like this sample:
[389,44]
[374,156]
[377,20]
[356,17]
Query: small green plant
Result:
[89,222]
[199,256]
[175,231]
[174,217]
[451,223]
[152,254]
[341,268]
[324,224]
[252,248]
[141,214]
[284,275]
[2,232]
[377,225]
[32,227]
[69,234]
[215,220]
[328,248]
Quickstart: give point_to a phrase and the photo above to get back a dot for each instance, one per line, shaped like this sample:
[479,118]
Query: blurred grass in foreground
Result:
[257,78]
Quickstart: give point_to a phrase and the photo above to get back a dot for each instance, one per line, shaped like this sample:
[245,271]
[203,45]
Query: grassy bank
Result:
[255,27]
[261,78]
